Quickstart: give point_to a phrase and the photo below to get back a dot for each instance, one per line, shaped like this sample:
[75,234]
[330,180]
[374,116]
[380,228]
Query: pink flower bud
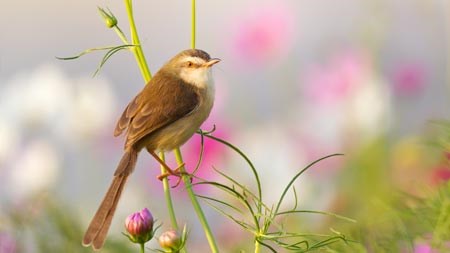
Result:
[170,240]
[139,226]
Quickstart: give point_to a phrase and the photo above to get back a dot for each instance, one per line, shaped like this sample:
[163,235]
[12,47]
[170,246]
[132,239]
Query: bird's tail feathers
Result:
[99,226]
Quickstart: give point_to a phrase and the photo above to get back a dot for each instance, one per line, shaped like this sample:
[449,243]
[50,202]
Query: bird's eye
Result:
[189,64]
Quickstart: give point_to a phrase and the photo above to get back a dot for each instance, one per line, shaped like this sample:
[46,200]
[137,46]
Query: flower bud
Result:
[170,240]
[108,17]
[139,226]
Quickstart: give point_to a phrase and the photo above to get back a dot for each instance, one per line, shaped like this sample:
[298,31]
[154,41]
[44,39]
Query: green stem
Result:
[193,24]
[121,35]
[142,63]
[137,49]
[257,247]
[186,178]
[167,195]
[139,55]
[195,204]
[142,247]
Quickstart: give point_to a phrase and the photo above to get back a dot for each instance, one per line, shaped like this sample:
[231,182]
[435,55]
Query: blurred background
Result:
[299,80]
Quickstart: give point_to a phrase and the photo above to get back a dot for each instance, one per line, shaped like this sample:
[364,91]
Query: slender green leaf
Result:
[245,189]
[295,178]
[221,202]
[108,54]
[202,149]
[317,212]
[295,198]
[239,222]
[249,162]
[86,52]
[266,245]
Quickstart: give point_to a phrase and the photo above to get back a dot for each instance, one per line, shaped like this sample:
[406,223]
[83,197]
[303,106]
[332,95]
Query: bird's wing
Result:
[127,115]
[163,101]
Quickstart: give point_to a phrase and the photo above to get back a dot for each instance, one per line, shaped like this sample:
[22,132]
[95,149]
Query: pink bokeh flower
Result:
[213,153]
[408,79]
[7,243]
[334,81]
[422,248]
[440,174]
[263,33]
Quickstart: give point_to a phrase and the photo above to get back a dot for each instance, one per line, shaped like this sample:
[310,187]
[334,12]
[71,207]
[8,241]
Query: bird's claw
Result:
[177,173]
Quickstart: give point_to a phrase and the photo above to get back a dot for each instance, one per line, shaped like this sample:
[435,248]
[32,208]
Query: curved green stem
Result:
[142,247]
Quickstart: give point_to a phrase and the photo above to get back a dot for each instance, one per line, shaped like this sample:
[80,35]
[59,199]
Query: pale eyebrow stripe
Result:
[196,60]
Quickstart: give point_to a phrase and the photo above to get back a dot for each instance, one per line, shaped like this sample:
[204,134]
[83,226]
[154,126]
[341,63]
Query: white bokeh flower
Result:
[35,170]
[45,113]
[37,99]
[10,139]
[92,108]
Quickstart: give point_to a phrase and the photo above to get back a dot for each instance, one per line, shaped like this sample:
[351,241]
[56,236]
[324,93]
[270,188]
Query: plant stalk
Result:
[139,55]
[195,203]
[257,247]
[137,49]
[145,71]
[193,24]
[167,196]
[186,178]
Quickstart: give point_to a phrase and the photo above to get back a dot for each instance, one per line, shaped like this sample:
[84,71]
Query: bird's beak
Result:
[212,62]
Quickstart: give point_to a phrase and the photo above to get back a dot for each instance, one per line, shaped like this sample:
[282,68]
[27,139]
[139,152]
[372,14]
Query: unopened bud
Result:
[139,226]
[170,240]
[108,17]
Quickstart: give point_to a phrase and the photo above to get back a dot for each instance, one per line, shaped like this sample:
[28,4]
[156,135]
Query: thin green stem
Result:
[142,63]
[139,54]
[195,203]
[142,247]
[167,195]
[257,246]
[193,24]
[121,35]
[186,178]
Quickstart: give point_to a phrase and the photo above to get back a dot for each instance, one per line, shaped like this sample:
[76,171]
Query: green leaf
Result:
[296,176]
[317,212]
[87,51]
[221,202]
[108,54]
[249,162]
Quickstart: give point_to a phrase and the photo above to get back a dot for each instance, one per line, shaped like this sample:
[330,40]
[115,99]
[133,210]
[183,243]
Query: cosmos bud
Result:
[139,226]
[170,240]
[108,17]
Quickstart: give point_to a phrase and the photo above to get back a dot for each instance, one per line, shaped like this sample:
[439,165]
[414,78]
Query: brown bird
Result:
[162,117]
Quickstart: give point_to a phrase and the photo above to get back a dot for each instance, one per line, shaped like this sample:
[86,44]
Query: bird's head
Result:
[193,66]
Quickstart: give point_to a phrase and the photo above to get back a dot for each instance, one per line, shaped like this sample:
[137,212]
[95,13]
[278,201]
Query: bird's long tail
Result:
[99,226]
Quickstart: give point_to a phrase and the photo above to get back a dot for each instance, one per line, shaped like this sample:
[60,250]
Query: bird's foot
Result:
[177,173]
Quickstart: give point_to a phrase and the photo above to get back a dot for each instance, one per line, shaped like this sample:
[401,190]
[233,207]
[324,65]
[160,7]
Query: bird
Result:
[162,117]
